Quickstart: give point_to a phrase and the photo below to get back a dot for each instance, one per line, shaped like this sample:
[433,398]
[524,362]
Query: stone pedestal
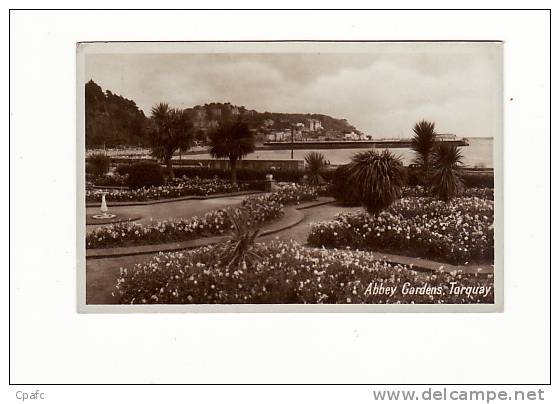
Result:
[269,183]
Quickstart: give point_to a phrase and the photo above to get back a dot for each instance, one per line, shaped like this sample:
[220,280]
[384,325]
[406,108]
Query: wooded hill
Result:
[112,120]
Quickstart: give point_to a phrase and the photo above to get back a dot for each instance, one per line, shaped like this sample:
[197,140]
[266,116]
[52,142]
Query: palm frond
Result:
[445,182]
[376,178]
[315,163]
[423,142]
[239,251]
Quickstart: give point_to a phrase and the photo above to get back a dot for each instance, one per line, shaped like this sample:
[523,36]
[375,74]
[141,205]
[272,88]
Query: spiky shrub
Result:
[423,143]
[445,181]
[315,163]
[239,251]
[376,178]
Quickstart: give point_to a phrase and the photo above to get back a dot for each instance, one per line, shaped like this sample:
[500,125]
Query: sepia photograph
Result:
[364,175]
[332,205]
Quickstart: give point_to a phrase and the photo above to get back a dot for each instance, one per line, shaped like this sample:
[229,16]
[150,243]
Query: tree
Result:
[423,143]
[171,131]
[445,182]
[376,179]
[232,140]
[111,120]
[316,164]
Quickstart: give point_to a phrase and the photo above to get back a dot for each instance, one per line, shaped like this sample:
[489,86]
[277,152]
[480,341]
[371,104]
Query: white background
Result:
[51,343]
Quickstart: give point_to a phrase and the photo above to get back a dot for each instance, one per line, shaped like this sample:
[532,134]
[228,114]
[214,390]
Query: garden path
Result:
[170,210]
[102,272]
[299,232]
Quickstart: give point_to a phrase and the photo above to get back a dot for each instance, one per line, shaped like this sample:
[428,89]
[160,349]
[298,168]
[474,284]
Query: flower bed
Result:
[290,273]
[293,194]
[259,209]
[483,193]
[174,189]
[113,180]
[457,232]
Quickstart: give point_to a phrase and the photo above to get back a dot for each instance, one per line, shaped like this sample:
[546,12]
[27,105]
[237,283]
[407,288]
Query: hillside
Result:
[112,120]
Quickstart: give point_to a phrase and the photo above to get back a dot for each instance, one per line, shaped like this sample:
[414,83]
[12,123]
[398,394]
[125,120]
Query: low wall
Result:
[224,164]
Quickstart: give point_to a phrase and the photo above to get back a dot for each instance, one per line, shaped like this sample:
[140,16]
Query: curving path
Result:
[170,210]
[299,232]
[101,273]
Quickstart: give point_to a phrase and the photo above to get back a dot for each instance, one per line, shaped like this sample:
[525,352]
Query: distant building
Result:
[446,136]
[314,125]
[356,136]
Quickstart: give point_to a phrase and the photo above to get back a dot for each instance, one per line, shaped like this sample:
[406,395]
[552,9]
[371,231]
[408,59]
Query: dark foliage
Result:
[445,182]
[171,131]
[112,120]
[315,165]
[232,140]
[341,190]
[377,179]
[243,174]
[98,164]
[145,174]
[477,180]
[423,142]
[239,251]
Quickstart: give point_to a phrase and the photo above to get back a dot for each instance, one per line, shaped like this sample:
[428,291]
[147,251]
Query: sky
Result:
[381,93]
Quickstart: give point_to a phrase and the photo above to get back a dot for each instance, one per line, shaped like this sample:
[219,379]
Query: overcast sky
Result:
[381,93]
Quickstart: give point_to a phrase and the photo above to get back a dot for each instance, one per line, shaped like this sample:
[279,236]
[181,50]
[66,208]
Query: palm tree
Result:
[423,143]
[239,250]
[233,141]
[171,131]
[316,164]
[376,178]
[445,181]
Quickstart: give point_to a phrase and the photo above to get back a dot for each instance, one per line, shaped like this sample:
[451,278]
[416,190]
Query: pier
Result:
[338,144]
[351,144]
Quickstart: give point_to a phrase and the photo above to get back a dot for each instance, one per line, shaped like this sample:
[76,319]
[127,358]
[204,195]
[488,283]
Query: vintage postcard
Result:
[290,176]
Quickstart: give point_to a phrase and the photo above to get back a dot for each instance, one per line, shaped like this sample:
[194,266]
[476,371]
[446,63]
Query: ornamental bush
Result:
[341,190]
[115,180]
[289,273]
[478,180]
[458,232]
[98,164]
[145,174]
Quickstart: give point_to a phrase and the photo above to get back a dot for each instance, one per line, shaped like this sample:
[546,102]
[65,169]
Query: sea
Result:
[478,154]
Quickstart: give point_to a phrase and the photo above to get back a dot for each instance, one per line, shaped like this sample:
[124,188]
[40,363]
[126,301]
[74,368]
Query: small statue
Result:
[104,209]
